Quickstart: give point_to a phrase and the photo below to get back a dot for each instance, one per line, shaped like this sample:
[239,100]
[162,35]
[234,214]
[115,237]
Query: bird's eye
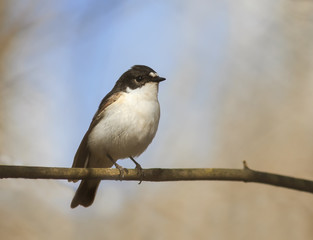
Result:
[140,78]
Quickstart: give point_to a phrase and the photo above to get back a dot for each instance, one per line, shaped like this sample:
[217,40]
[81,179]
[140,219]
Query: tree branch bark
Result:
[159,175]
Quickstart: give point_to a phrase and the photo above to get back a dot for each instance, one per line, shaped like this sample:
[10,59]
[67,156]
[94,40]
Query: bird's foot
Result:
[139,168]
[121,169]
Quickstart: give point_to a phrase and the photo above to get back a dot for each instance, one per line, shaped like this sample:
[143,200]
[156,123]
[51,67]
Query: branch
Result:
[158,175]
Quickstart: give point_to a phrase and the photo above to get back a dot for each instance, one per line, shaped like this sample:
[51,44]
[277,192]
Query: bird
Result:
[124,125]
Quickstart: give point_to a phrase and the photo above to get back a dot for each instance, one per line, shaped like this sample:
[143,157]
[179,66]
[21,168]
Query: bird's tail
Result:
[85,194]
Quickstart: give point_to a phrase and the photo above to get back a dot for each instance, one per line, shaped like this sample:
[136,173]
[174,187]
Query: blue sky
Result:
[76,50]
[100,48]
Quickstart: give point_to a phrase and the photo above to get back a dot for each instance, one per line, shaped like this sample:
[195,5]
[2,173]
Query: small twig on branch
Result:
[158,175]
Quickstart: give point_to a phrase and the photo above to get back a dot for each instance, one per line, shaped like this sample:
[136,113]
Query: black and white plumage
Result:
[123,127]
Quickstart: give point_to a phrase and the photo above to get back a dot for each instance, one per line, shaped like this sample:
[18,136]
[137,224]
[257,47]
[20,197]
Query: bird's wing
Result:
[82,154]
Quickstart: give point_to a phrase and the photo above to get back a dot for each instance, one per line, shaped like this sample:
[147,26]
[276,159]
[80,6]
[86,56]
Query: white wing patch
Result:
[153,74]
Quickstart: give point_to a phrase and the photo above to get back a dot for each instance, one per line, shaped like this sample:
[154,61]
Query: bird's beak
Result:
[158,79]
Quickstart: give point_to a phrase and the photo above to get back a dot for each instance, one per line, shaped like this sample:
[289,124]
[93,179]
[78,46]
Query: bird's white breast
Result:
[129,124]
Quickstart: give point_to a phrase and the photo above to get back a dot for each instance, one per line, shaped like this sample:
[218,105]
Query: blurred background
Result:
[239,87]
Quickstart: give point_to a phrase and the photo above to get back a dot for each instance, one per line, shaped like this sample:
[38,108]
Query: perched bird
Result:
[123,127]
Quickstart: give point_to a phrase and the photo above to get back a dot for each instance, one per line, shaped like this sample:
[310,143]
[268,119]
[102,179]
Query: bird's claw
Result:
[139,169]
[140,172]
[122,170]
